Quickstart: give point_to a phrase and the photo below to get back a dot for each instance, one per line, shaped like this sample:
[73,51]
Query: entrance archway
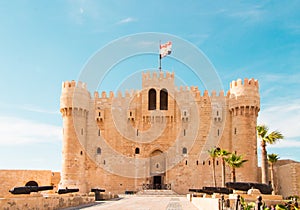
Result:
[157,169]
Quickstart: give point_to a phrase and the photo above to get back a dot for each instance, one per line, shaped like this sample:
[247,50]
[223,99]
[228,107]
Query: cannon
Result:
[67,190]
[29,189]
[245,186]
[222,190]
[199,191]
[212,190]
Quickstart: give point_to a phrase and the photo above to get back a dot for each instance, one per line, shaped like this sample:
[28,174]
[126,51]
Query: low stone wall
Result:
[17,178]
[44,203]
[204,203]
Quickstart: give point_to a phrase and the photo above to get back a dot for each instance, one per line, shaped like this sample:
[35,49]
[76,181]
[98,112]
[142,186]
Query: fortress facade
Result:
[156,137]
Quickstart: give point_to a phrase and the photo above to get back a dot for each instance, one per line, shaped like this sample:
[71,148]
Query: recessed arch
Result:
[152,99]
[32,183]
[163,103]
[156,152]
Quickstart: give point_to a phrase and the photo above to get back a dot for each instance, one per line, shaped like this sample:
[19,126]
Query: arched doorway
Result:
[157,169]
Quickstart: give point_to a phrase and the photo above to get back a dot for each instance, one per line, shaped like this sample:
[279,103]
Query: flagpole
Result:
[159,57]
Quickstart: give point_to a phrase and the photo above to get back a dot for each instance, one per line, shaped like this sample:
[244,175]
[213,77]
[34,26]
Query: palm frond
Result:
[235,161]
[213,152]
[262,130]
[273,137]
[272,158]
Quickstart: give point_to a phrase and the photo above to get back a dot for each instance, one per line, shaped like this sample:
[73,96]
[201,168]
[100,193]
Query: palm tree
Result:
[213,153]
[272,158]
[271,138]
[234,161]
[223,154]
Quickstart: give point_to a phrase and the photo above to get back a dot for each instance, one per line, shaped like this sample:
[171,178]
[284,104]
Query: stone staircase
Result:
[157,193]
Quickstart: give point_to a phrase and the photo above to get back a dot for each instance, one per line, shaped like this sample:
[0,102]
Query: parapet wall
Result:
[37,201]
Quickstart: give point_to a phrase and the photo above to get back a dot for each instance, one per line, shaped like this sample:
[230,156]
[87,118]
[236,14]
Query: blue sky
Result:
[43,43]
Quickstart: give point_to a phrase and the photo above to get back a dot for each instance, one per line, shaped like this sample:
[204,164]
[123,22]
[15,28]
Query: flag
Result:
[165,49]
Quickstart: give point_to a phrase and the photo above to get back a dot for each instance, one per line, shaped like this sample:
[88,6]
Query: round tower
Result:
[244,105]
[74,107]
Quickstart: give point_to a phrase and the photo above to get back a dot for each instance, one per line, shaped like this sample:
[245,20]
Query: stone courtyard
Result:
[145,203]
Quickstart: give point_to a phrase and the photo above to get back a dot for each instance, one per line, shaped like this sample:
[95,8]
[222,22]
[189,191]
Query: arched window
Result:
[137,150]
[184,150]
[163,99]
[152,99]
[98,151]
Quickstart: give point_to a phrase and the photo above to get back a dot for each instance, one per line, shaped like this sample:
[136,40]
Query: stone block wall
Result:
[18,178]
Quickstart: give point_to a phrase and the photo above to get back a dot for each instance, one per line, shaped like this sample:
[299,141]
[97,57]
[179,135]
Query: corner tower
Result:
[244,105]
[74,107]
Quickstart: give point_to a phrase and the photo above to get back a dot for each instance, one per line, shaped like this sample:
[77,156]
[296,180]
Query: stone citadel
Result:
[156,137]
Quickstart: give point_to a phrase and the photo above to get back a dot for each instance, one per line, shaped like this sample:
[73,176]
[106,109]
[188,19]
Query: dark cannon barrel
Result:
[42,188]
[29,189]
[199,191]
[245,186]
[212,190]
[67,190]
[97,190]
[222,190]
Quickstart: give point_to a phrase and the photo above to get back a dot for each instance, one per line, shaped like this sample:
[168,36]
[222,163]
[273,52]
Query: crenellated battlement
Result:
[247,83]
[111,95]
[74,95]
[157,75]
[244,95]
[73,84]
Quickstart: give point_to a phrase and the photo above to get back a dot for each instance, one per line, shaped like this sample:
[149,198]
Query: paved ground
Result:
[145,203]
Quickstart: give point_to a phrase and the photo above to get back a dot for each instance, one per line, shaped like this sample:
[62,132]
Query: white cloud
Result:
[16,131]
[127,20]
[251,14]
[33,108]
[283,117]
[286,143]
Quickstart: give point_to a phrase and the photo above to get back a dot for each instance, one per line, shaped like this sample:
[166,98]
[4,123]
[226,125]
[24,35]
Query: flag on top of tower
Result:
[165,49]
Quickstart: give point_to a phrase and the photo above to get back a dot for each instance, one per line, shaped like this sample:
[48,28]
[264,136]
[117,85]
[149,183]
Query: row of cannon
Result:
[30,189]
[230,186]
